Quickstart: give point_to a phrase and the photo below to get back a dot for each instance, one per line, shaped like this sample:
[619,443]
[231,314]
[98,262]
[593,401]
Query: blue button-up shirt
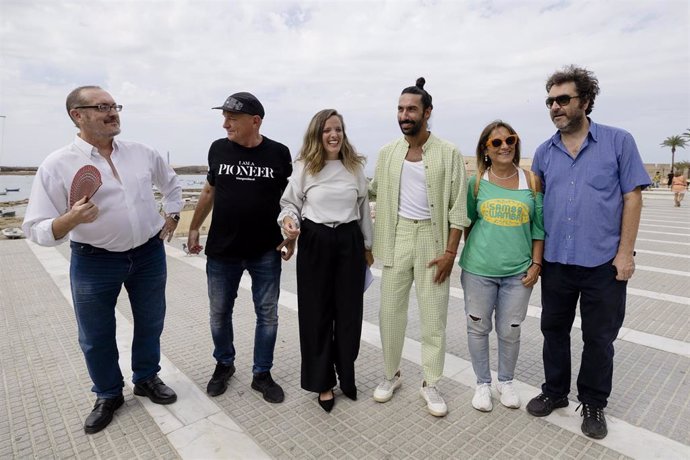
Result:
[583,196]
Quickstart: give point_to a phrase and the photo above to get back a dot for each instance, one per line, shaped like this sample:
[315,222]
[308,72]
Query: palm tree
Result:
[674,142]
[686,134]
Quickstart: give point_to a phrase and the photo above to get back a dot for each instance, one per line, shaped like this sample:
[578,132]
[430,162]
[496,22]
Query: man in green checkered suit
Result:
[421,208]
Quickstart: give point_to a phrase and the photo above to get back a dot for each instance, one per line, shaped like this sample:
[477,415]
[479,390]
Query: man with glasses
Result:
[247,173]
[593,178]
[116,237]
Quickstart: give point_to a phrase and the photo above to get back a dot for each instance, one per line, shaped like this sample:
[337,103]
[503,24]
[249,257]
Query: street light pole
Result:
[2,142]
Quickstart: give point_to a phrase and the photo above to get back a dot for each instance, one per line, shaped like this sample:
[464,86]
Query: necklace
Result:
[503,178]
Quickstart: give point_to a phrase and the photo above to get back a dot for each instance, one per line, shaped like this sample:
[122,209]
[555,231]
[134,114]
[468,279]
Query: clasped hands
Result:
[291,232]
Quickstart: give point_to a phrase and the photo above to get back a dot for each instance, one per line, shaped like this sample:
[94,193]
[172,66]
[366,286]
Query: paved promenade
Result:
[45,389]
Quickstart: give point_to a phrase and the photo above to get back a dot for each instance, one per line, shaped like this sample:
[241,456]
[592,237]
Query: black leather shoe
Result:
[157,391]
[326,404]
[102,414]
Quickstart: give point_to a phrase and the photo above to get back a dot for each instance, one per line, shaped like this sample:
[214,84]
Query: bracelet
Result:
[451,252]
[538,265]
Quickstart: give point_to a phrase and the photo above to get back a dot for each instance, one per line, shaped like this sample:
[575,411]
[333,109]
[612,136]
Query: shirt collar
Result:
[428,142]
[593,129]
[87,149]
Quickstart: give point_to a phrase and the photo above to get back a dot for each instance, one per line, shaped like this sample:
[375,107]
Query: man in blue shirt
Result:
[593,178]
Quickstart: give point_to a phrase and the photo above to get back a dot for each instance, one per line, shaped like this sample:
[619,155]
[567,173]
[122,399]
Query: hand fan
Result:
[86,182]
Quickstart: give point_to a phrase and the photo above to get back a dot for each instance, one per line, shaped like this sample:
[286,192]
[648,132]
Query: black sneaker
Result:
[264,384]
[542,405]
[594,422]
[219,381]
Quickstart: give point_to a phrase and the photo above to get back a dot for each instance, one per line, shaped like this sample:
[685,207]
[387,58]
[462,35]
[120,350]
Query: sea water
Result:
[24,183]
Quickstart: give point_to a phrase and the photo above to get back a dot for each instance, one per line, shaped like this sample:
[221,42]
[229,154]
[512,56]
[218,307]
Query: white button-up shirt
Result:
[128,214]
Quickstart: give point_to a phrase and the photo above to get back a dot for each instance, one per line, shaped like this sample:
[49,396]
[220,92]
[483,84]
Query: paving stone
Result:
[46,420]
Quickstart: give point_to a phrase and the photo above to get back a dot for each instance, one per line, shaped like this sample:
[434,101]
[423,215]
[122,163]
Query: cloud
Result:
[169,62]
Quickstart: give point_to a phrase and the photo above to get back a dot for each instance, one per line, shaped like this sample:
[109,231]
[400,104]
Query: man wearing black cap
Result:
[247,173]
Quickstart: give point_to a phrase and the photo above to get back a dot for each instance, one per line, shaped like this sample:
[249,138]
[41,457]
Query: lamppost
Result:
[2,142]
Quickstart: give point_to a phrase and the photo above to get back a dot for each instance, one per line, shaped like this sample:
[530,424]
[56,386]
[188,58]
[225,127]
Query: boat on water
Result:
[7,189]
[12,233]
[4,213]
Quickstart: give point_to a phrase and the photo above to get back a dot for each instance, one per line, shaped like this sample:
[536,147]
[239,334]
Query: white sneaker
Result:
[482,398]
[384,392]
[434,401]
[509,397]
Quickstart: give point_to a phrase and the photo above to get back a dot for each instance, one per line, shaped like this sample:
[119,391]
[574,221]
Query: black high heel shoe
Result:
[350,393]
[326,404]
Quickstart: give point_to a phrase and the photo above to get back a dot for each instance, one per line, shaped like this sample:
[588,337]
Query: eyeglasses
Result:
[101,107]
[562,100]
[497,141]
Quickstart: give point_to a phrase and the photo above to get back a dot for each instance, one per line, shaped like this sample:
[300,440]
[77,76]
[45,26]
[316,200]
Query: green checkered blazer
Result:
[446,192]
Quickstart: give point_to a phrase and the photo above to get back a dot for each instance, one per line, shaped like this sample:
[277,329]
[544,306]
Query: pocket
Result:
[603,177]
[601,182]
[614,271]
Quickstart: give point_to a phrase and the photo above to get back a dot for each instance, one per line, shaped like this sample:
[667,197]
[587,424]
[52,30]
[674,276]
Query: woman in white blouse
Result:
[326,205]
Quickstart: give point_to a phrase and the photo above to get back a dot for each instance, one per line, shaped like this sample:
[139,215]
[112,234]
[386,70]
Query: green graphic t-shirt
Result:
[505,222]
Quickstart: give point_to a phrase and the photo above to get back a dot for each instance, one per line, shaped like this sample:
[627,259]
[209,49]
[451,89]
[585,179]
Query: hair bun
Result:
[420,83]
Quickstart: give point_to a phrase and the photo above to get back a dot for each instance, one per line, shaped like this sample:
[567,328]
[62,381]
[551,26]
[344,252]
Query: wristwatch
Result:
[174,216]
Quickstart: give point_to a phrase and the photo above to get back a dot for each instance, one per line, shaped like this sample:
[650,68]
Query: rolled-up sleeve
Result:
[457,215]
[165,178]
[46,203]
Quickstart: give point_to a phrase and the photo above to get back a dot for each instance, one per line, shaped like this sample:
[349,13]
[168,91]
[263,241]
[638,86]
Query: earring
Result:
[486,158]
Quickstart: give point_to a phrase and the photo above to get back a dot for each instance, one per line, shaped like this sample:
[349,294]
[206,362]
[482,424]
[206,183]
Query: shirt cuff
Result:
[288,213]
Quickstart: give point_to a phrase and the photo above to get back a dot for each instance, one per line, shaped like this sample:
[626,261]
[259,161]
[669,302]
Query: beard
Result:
[569,124]
[111,131]
[110,127]
[410,130]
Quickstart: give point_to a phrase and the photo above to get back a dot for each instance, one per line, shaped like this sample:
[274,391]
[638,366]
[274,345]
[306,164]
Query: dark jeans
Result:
[602,309]
[97,277]
[223,281]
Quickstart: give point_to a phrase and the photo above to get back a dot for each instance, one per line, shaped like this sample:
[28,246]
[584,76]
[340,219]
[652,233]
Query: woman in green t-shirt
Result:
[501,259]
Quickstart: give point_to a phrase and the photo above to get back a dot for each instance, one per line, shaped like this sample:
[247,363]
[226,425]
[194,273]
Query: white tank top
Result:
[413,200]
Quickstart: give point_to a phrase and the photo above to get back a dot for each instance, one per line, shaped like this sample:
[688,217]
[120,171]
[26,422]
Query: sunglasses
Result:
[497,141]
[562,100]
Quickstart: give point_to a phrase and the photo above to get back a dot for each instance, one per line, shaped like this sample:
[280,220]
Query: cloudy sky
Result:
[169,62]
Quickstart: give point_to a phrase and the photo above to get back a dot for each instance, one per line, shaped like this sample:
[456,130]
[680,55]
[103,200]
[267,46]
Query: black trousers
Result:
[330,290]
[602,310]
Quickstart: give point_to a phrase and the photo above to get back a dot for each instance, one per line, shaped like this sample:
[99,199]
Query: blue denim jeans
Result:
[223,281]
[507,298]
[97,277]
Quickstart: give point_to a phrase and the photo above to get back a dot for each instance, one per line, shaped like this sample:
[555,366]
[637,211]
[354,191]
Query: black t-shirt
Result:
[248,184]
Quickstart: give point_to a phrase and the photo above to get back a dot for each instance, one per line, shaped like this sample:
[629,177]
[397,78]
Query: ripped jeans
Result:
[508,299]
